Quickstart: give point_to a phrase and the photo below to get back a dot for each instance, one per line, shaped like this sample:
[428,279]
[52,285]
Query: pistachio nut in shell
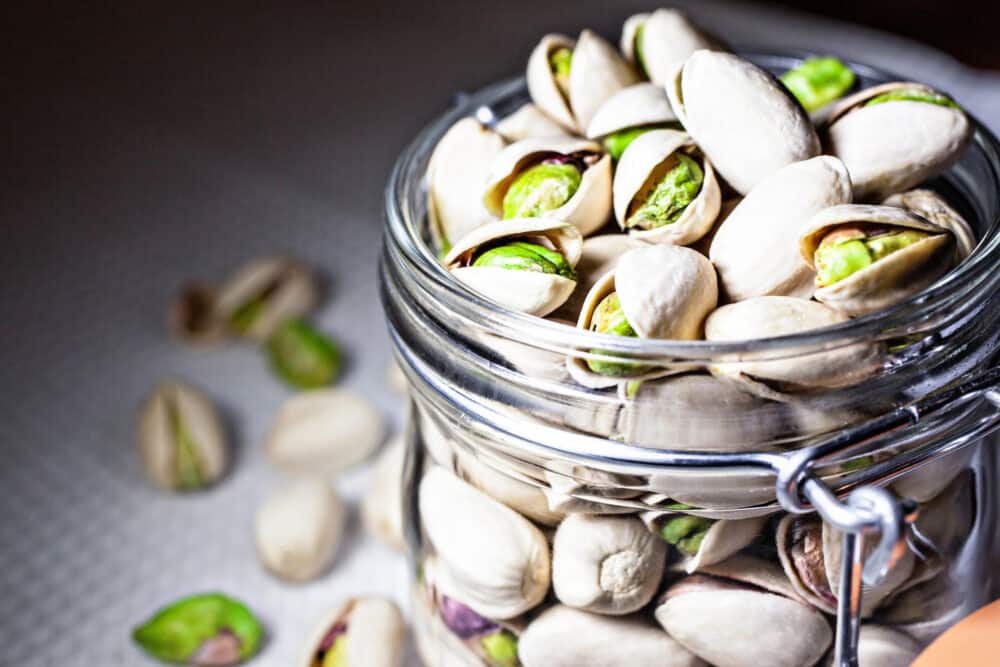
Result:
[664,190]
[298,528]
[895,136]
[744,120]
[883,646]
[265,292]
[868,258]
[762,231]
[302,356]
[382,504]
[562,178]
[744,615]
[599,255]
[520,496]
[193,317]
[818,81]
[492,558]
[363,632]
[629,113]
[529,122]
[523,264]
[206,630]
[323,431]
[702,541]
[562,636]
[932,206]
[658,43]
[606,564]
[181,439]
[457,169]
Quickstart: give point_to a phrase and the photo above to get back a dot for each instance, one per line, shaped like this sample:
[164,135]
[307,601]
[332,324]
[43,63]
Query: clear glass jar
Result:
[650,523]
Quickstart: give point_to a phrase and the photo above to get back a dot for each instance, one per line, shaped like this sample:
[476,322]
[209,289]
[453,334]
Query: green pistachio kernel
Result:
[665,197]
[913,95]
[337,655]
[886,244]
[818,81]
[178,631]
[523,256]
[609,318]
[616,142]
[561,62]
[858,463]
[640,52]
[686,532]
[501,649]
[187,460]
[541,188]
[244,317]
[839,256]
[302,356]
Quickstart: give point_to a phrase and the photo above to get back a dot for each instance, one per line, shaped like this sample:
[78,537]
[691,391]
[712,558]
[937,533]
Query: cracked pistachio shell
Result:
[375,634]
[744,615]
[882,646]
[565,637]
[724,538]
[529,292]
[589,207]
[599,256]
[298,529]
[382,504]
[519,496]
[668,39]
[456,173]
[771,316]
[181,440]
[894,146]
[492,559]
[597,73]
[283,288]
[636,166]
[529,122]
[606,564]
[741,117]
[638,105]
[324,431]
[931,206]
[889,280]
[756,251]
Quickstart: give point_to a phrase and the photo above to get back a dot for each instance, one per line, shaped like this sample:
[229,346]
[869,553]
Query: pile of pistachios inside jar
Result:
[671,189]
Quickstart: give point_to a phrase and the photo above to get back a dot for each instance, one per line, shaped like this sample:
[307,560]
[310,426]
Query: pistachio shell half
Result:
[702,541]
[382,504]
[549,88]
[599,255]
[640,106]
[744,120]
[529,122]
[933,207]
[364,632]
[658,43]
[264,293]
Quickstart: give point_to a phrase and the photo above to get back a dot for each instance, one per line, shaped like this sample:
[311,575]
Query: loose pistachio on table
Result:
[193,317]
[363,632]
[181,439]
[263,294]
[743,119]
[931,206]
[382,504]
[206,630]
[816,82]
[302,356]
[628,114]
[529,122]
[658,43]
[702,541]
[896,135]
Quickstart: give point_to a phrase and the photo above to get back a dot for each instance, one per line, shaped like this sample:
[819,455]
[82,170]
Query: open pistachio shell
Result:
[668,38]
[636,168]
[382,504]
[514,493]
[895,145]
[886,281]
[755,249]
[545,92]
[587,209]
[525,291]
[770,316]
[933,207]
[529,122]
[606,564]
[705,541]
[264,293]
[598,72]
[600,255]
[565,637]
[370,631]
[492,559]
[638,105]
[743,119]
[745,615]
[457,170]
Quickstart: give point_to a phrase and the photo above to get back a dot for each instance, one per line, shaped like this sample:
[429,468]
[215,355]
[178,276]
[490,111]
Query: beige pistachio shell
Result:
[755,250]
[542,87]
[727,624]
[669,38]
[382,504]
[598,72]
[727,206]
[492,559]
[529,122]
[731,494]
[723,539]
[933,207]
[891,279]
[599,256]
[742,118]
[896,145]
[770,316]
[565,637]
[457,170]
[291,291]
[638,105]
[882,646]
[587,210]
[375,635]
[524,291]
[514,493]
[926,482]
[606,564]
[635,168]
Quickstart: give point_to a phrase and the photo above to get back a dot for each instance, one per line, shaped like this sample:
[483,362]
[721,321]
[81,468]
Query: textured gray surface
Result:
[172,147]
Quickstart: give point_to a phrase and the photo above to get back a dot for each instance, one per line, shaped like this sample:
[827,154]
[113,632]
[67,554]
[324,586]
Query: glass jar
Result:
[671,522]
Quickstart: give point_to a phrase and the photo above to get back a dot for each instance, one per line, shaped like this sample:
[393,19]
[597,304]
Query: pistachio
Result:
[364,632]
[629,113]
[818,81]
[302,356]
[382,504]
[931,206]
[543,187]
[686,532]
[523,256]
[496,645]
[658,43]
[664,203]
[598,256]
[608,318]
[193,316]
[263,294]
[882,646]
[561,62]
[181,438]
[527,499]
[528,122]
[914,94]
[703,541]
[210,630]
[323,431]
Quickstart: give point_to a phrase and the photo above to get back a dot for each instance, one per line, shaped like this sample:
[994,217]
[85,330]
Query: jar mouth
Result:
[944,303]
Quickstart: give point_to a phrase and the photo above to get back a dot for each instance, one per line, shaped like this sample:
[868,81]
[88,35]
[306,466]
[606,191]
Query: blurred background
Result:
[147,144]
